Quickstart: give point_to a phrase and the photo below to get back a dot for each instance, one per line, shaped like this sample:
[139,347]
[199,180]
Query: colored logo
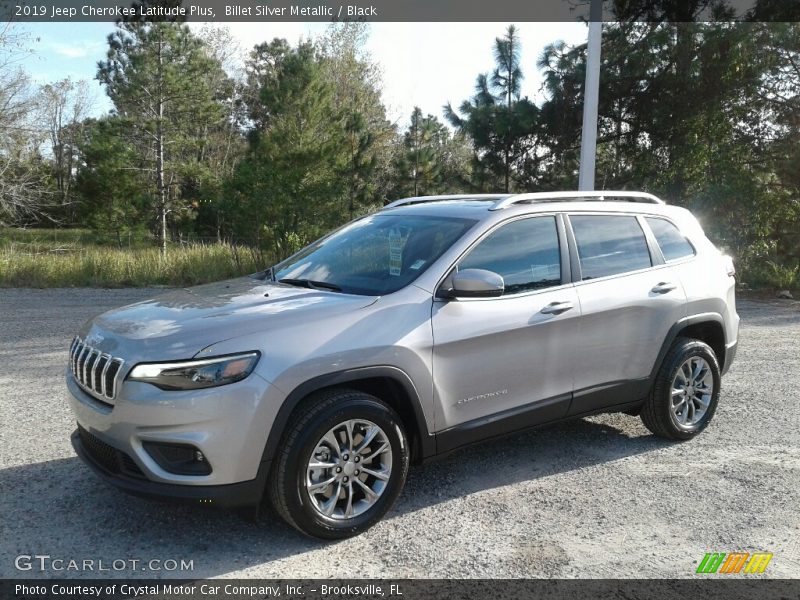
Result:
[734,562]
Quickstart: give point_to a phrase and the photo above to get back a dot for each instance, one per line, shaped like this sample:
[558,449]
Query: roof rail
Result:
[424,199]
[505,200]
[596,196]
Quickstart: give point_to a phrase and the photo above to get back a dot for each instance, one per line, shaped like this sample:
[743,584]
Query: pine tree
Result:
[108,180]
[155,73]
[287,189]
[502,126]
[356,81]
[507,80]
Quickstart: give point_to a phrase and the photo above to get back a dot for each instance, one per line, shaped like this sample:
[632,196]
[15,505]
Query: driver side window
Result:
[524,252]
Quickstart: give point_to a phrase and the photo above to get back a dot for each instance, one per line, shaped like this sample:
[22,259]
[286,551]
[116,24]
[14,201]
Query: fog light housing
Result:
[179,459]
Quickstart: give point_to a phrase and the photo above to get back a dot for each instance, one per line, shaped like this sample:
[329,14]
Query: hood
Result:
[182,322]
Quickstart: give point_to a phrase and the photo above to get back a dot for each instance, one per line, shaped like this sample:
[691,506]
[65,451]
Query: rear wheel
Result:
[684,396]
[342,464]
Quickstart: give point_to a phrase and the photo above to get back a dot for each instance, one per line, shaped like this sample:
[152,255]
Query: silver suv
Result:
[431,324]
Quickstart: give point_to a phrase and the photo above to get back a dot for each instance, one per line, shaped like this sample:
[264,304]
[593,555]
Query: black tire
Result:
[657,413]
[287,486]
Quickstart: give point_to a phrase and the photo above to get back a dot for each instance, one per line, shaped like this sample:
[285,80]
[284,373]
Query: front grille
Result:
[95,371]
[112,460]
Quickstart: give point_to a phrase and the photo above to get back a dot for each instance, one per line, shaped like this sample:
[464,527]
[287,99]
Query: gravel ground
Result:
[598,497]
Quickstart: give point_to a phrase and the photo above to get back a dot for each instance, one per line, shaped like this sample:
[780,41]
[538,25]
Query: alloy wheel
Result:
[349,469]
[691,392]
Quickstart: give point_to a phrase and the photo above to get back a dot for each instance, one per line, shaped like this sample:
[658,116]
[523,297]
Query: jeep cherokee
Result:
[433,323]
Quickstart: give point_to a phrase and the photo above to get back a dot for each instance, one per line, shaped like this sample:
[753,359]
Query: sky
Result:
[423,64]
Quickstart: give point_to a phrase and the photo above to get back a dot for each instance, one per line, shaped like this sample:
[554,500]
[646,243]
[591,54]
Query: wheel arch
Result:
[390,384]
[706,327]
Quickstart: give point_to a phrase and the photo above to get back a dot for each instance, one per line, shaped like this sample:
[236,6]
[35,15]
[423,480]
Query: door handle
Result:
[556,308]
[664,287]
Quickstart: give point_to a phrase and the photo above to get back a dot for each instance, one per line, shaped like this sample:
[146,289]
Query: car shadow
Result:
[59,508]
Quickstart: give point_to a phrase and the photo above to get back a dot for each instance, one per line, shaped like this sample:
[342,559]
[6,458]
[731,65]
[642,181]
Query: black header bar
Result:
[396,10]
[705,587]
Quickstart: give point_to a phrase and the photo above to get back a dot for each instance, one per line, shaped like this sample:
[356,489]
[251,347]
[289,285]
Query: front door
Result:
[503,361]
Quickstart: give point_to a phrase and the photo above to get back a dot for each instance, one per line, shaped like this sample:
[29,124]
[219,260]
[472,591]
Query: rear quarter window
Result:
[672,242]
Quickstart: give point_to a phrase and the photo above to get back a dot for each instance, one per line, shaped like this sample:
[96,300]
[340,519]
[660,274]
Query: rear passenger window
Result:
[609,244]
[671,241]
[524,252]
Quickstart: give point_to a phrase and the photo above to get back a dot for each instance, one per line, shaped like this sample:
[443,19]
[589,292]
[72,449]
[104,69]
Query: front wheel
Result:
[684,396]
[342,464]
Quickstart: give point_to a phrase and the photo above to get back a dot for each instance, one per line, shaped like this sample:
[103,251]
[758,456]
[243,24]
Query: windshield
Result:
[373,256]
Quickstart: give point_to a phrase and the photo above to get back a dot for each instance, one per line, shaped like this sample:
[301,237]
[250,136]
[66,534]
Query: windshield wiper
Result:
[313,285]
[266,275]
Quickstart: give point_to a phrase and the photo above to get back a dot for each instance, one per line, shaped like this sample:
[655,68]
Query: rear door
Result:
[629,300]
[497,358]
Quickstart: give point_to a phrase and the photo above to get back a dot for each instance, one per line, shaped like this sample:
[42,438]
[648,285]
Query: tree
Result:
[430,159]
[65,105]
[702,114]
[157,76]
[779,44]
[502,126]
[369,137]
[420,163]
[287,189]
[320,141]
[109,180]
[262,69]
[506,80]
[24,192]
[217,144]
[560,115]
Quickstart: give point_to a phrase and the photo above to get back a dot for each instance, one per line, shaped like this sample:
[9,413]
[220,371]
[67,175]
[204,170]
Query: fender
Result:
[672,334]
[427,445]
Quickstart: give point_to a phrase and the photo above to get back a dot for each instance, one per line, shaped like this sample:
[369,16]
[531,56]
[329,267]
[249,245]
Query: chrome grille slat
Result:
[72,354]
[86,365]
[82,363]
[99,362]
[103,375]
[78,359]
[78,352]
[75,355]
[96,372]
[119,363]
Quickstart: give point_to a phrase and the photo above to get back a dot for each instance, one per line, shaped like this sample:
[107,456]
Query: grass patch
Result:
[68,258]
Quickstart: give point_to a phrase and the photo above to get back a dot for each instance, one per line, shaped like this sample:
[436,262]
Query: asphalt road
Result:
[598,497]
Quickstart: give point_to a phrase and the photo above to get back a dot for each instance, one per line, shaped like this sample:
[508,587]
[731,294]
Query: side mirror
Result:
[477,283]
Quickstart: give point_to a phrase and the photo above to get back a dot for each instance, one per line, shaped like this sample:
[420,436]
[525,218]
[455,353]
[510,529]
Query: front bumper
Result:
[246,493]
[229,425]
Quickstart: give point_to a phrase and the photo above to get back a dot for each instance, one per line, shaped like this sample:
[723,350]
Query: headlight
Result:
[196,374]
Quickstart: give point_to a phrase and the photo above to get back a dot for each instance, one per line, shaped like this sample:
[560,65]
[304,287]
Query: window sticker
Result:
[395,252]
[417,264]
